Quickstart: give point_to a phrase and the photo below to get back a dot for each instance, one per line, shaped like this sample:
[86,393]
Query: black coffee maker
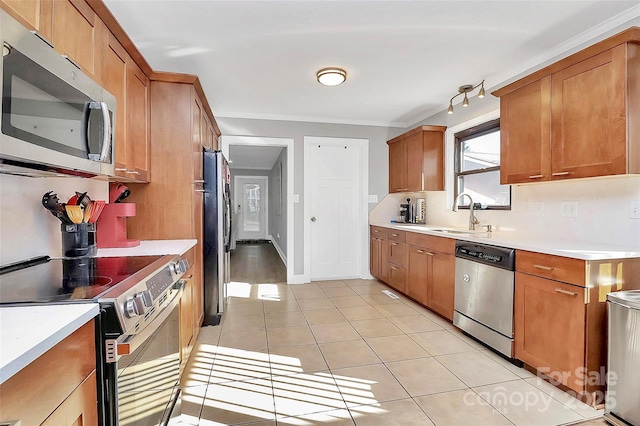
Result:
[405,212]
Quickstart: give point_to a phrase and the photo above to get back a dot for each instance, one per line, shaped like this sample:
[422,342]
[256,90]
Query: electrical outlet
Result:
[634,209]
[569,208]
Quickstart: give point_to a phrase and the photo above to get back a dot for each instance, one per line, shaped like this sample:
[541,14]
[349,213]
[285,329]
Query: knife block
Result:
[112,226]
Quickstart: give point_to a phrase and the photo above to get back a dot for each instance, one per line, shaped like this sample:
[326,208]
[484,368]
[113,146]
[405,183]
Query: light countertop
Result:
[29,331]
[526,241]
[150,248]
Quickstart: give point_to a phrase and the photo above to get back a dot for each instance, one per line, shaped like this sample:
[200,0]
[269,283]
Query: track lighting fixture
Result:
[464,90]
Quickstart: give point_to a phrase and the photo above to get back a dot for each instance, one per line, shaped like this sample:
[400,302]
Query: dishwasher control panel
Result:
[500,257]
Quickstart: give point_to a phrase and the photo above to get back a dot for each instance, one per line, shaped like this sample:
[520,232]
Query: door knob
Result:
[313,219]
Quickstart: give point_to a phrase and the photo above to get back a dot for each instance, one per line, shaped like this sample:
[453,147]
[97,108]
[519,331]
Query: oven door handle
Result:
[135,341]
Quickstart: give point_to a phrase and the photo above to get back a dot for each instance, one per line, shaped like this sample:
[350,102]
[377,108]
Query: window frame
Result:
[459,138]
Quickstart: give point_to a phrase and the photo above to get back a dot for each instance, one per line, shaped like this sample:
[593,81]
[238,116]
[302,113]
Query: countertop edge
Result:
[150,247]
[36,350]
[583,251]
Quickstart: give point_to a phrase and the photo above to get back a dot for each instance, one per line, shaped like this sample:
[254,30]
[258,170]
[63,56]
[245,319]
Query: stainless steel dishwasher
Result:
[484,289]
[622,405]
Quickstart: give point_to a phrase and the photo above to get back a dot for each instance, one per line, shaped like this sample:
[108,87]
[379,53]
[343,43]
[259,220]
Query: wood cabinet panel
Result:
[557,268]
[138,123]
[398,277]
[374,256]
[187,323]
[420,265]
[77,35]
[580,128]
[397,167]
[398,236]
[416,160]
[525,140]
[79,409]
[398,253]
[379,231]
[441,289]
[38,389]
[37,15]
[114,63]
[432,242]
[550,328]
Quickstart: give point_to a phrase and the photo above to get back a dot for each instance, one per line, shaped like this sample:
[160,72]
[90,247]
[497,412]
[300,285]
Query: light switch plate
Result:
[296,198]
[634,209]
[373,198]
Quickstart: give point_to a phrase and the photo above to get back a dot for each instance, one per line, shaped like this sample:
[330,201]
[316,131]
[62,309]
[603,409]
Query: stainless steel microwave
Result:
[55,119]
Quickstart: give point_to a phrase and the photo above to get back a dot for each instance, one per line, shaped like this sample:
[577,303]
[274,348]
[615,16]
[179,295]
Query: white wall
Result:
[28,230]
[378,158]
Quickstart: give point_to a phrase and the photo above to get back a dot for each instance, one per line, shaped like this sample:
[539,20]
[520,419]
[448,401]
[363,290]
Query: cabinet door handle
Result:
[394,244]
[195,182]
[376,231]
[428,253]
[121,170]
[560,174]
[545,268]
[420,251]
[569,293]
[132,172]
[71,60]
[201,190]
[394,268]
[536,176]
[394,235]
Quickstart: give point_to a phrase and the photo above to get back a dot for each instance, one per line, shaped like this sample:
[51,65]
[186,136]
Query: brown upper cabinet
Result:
[70,26]
[579,117]
[77,35]
[416,160]
[124,79]
[37,15]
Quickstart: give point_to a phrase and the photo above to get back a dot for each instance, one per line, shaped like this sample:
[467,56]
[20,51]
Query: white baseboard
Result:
[278,249]
[298,279]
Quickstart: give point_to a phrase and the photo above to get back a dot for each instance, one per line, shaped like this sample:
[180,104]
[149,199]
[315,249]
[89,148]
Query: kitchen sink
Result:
[451,231]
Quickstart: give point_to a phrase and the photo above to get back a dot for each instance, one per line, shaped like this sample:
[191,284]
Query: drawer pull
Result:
[536,176]
[545,268]
[560,173]
[394,235]
[420,251]
[569,293]
[428,253]
[394,268]
[376,231]
[394,244]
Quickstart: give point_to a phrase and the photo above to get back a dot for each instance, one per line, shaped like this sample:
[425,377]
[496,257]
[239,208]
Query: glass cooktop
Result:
[44,280]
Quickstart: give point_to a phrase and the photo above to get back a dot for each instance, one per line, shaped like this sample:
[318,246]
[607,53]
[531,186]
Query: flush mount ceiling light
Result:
[331,76]
[463,90]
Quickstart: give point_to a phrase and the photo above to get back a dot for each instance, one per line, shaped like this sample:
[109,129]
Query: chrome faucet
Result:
[473,221]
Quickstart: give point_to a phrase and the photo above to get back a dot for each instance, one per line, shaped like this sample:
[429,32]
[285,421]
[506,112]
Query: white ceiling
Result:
[253,157]
[404,59]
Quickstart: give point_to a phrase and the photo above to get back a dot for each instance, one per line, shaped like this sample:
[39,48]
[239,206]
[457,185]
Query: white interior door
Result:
[335,202]
[251,207]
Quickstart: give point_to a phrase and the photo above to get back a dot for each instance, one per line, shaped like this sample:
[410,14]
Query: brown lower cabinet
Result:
[58,388]
[420,266]
[560,317]
[550,328]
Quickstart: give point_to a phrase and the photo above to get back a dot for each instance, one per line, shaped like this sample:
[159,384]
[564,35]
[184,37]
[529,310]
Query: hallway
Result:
[257,263]
[343,352]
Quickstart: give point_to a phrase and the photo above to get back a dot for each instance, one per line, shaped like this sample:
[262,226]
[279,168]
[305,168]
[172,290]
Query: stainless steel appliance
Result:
[484,289]
[217,234]
[622,406]
[137,335]
[55,119]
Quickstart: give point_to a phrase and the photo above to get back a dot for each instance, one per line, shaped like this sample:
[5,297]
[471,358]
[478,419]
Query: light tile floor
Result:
[342,352]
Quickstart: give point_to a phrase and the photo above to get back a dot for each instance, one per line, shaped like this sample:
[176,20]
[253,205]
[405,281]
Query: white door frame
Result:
[362,245]
[225,141]
[266,199]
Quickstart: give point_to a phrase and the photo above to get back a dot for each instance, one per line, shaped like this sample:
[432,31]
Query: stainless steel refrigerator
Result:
[217,234]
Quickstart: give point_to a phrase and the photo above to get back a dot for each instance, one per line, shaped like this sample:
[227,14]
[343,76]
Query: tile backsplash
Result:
[26,228]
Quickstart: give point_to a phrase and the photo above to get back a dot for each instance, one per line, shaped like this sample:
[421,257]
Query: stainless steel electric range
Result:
[137,331]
